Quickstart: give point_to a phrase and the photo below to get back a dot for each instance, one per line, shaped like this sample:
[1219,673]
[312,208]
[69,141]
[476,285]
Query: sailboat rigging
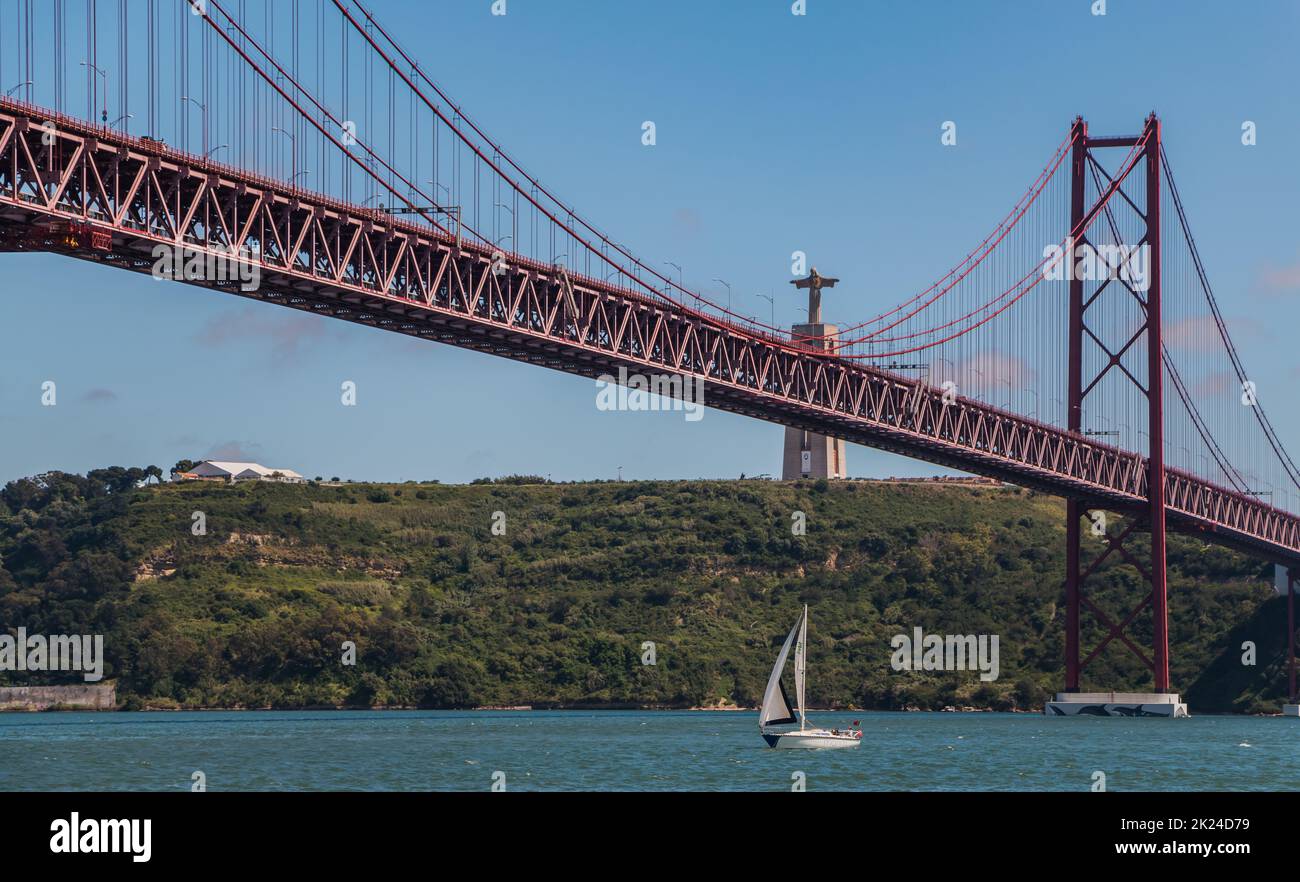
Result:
[776,710]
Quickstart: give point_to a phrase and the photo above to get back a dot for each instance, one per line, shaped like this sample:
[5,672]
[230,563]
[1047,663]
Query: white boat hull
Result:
[811,739]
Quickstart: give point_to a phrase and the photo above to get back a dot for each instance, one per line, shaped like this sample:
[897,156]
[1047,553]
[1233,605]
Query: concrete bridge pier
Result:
[1288,577]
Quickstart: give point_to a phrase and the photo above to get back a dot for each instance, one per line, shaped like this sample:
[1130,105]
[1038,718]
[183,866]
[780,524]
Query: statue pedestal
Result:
[807,454]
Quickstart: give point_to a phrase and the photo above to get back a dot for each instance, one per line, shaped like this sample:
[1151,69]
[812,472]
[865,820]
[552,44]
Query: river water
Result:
[634,750]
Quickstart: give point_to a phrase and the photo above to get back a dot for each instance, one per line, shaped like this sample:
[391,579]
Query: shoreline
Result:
[543,708]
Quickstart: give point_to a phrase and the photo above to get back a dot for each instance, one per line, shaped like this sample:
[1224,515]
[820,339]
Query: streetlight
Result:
[201,106]
[104,112]
[9,94]
[1033,392]
[514,227]
[293,146]
[215,149]
[681,280]
[120,118]
[1063,410]
[294,179]
[951,373]
[772,301]
[451,211]
[721,282]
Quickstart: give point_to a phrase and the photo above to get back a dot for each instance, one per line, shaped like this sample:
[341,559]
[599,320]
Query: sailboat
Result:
[776,703]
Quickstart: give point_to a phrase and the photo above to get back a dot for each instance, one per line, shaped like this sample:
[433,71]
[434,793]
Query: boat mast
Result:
[801,667]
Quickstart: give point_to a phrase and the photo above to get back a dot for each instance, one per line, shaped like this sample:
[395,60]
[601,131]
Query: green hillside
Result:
[445,613]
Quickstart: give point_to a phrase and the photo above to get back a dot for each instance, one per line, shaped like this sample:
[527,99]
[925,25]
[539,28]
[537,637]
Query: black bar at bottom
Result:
[842,832]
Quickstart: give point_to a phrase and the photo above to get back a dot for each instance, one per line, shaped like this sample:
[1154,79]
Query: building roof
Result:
[240,469]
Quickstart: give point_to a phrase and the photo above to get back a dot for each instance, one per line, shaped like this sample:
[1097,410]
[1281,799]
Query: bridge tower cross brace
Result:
[1152,514]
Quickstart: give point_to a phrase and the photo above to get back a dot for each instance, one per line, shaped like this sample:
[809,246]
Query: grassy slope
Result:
[445,613]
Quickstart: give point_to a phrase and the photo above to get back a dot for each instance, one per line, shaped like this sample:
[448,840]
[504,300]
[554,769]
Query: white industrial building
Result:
[210,470]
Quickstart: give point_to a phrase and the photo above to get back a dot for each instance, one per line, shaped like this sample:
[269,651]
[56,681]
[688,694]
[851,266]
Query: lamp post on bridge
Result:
[103,114]
[293,147]
[952,370]
[681,280]
[514,227]
[451,211]
[1033,392]
[203,107]
[720,281]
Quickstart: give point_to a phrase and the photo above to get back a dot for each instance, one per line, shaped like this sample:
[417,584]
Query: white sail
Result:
[801,663]
[776,705]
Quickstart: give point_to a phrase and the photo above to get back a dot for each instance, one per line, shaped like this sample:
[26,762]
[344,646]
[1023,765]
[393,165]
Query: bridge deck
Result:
[320,255]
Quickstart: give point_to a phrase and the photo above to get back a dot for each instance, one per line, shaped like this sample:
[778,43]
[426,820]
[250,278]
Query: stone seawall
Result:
[89,696]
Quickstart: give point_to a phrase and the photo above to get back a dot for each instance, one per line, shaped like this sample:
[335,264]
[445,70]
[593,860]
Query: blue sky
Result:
[775,133]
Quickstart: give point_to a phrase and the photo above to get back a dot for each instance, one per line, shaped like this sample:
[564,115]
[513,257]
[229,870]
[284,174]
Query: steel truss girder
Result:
[324,256]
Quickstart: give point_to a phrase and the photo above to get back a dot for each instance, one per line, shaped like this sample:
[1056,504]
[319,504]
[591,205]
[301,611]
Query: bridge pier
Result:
[1116,704]
[1291,708]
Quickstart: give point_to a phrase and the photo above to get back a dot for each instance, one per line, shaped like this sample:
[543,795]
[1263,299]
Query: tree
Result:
[153,472]
[454,684]
[115,479]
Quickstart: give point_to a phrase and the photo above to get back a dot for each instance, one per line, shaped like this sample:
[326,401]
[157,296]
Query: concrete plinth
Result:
[1116,704]
[1291,710]
[807,454]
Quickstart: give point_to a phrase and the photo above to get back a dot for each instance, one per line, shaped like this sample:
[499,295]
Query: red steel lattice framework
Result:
[1153,513]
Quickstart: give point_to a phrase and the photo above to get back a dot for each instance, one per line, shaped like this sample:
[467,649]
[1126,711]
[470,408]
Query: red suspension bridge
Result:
[1078,349]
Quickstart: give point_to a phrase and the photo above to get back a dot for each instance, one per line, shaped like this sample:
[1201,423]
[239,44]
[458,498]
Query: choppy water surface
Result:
[634,750]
